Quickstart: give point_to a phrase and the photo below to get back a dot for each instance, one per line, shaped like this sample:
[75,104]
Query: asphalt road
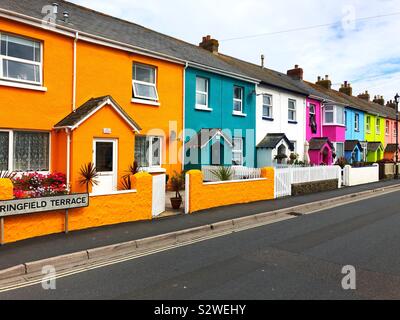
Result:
[301,258]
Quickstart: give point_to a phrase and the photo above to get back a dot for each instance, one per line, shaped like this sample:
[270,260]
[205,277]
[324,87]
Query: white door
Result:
[158,194]
[105,160]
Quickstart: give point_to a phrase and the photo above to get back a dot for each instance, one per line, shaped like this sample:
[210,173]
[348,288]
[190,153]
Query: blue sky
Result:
[365,52]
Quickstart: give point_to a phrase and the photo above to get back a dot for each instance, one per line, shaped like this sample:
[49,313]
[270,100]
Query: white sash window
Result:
[20,60]
[237,152]
[144,82]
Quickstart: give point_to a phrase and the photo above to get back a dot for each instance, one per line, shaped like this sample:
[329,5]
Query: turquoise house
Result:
[219,120]
[355,134]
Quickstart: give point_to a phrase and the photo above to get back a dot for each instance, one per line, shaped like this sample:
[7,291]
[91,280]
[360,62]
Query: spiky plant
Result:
[88,175]
[223,173]
[126,179]
[7,175]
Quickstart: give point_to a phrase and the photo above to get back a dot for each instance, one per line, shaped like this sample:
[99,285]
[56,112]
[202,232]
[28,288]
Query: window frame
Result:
[11,150]
[378,126]
[335,117]
[241,100]
[205,93]
[336,149]
[241,151]
[30,62]
[356,122]
[387,128]
[150,151]
[368,124]
[294,110]
[150,84]
[270,106]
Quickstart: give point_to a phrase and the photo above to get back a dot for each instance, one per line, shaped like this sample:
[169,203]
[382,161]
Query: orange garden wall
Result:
[210,195]
[102,210]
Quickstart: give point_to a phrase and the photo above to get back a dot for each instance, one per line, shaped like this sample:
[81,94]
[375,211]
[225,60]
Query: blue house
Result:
[219,119]
[355,134]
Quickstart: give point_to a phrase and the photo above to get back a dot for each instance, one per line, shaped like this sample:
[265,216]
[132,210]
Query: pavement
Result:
[300,258]
[61,244]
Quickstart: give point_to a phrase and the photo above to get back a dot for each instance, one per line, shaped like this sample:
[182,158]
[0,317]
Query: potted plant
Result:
[280,157]
[88,175]
[177,184]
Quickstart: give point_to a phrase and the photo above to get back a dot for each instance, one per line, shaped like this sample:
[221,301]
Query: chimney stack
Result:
[296,73]
[209,44]
[391,104]
[326,83]
[365,96]
[346,89]
[379,100]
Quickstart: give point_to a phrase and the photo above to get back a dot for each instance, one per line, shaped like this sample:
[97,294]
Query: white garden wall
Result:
[357,176]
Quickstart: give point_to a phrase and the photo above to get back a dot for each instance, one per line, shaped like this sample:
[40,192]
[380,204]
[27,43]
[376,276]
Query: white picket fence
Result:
[286,177]
[239,173]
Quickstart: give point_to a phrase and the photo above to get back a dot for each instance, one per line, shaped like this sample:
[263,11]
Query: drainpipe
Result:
[184,111]
[68,132]
[74,73]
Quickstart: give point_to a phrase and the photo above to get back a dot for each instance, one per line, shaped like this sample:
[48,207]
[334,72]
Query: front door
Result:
[105,161]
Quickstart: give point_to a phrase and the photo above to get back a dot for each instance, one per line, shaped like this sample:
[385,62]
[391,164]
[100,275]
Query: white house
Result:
[280,116]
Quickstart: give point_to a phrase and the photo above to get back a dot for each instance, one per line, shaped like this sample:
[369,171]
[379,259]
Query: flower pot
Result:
[176,203]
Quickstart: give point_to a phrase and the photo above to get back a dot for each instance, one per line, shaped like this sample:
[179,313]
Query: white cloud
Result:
[368,54]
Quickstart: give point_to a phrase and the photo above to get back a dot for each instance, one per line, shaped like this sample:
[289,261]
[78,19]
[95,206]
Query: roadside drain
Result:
[295,214]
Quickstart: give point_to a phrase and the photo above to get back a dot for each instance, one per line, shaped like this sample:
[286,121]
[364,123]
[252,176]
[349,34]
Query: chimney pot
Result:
[210,44]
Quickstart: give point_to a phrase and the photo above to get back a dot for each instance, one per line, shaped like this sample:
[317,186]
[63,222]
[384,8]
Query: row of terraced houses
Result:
[86,87]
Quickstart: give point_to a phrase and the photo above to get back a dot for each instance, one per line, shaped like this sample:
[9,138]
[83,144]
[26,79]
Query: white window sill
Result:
[22,86]
[154,170]
[334,125]
[148,102]
[239,114]
[203,109]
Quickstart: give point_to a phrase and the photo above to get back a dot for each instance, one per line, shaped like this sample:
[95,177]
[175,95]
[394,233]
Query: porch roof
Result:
[319,143]
[391,147]
[204,136]
[374,146]
[350,145]
[89,108]
[271,140]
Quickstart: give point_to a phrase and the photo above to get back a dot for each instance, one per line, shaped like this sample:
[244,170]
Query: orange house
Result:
[68,98]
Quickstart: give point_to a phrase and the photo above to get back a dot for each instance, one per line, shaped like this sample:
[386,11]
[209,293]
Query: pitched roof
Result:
[350,101]
[102,25]
[374,146]
[271,140]
[391,147]
[267,76]
[205,135]
[350,145]
[88,108]
[318,143]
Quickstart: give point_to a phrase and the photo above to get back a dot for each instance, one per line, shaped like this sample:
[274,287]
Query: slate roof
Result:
[204,136]
[318,143]
[75,117]
[374,146]
[391,147]
[350,145]
[271,140]
[267,76]
[96,23]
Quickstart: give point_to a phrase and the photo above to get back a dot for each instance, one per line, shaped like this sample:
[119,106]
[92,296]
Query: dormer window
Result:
[20,59]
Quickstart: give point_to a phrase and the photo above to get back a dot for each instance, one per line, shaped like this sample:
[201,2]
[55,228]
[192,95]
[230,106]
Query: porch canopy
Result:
[99,132]
[321,151]
[204,136]
[374,146]
[391,148]
[272,140]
